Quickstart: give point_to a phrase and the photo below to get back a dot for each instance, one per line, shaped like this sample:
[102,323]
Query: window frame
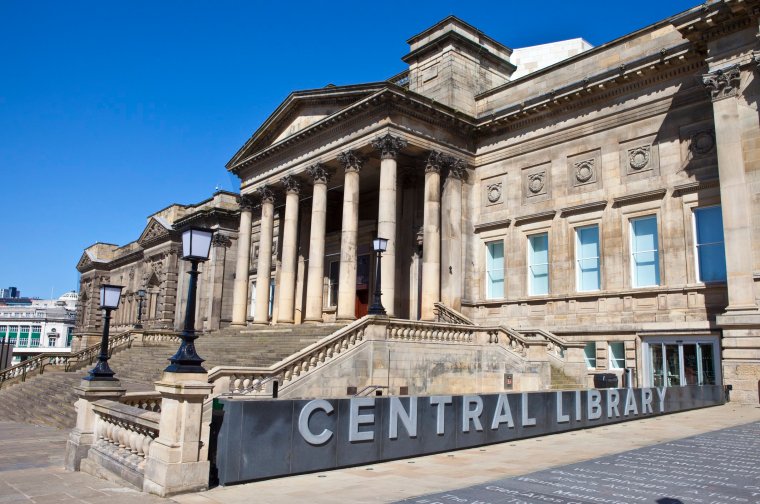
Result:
[578,259]
[530,264]
[488,259]
[612,359]
[696,244]
[591,362]
[632,253]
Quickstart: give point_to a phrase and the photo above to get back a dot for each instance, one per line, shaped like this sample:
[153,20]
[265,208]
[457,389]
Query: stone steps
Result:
[48,399]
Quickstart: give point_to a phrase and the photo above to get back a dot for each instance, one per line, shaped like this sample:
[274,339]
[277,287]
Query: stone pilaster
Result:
[389,146]
[348,238]
[240,289]
[175,464]
[451,230]
[264,264]
[431,246]
[287,286]
[315,281]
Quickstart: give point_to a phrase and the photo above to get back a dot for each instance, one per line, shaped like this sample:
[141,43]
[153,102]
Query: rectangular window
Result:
[645,263]
[495,270]
[617,355]
[588,276]
[69,336]
[332,294]
[3,331]
[538,264]
[711,255]
[51,341]
[589,352]
[12,333]
[23,338]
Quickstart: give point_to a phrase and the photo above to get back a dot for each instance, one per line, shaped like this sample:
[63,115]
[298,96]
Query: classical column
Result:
[264,265]
[723,86]
[451,243]
[389,146]
[316,275]
[348,236]
[240,289]
[289,251]
[431,245]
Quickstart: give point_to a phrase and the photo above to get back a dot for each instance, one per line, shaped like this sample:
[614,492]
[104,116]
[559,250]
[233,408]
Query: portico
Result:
[349,197]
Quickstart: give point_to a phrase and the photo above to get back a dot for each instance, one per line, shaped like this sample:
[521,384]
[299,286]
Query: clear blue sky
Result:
[110,111]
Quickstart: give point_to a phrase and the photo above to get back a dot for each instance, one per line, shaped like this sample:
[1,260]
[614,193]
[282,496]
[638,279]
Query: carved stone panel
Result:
[698,151]
[584,170]
[639,158]
[536,183]
[494,191]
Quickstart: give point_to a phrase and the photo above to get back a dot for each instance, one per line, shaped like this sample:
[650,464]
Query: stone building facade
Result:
[611,198]
[152,263]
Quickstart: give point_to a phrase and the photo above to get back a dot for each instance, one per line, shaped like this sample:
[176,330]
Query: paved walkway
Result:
[31,459]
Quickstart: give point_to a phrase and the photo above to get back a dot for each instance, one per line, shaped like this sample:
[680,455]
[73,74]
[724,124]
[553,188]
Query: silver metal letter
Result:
[471,414]
[661,393]
[408,418]
[630,403]
[441,402]
[613,400]
[577,405]
[355,419]
[303,422]
[594,398]
[646,401]
[502,413]
[526,420]
[561,417]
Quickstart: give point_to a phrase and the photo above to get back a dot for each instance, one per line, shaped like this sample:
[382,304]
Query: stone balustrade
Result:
[448,315]
[123,437]
[148,401]
[408,330]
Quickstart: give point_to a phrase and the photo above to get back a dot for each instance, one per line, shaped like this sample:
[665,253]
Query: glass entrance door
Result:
[672,364]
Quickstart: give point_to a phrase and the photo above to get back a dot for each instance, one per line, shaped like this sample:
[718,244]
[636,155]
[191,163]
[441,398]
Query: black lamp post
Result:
[379,245]
[140,297]
[196,245]
[109,300]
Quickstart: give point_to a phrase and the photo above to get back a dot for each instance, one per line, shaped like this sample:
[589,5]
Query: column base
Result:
[313,321]
[286,322]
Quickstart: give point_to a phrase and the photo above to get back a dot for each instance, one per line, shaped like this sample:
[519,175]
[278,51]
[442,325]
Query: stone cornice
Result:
[462,41]
[586,207]
[485,226]
[629,199]
[690,187]
[522,219]
[662,65]
[715,19]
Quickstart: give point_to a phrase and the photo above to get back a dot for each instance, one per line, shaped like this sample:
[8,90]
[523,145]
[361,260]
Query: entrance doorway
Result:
[362,285]
[675,363]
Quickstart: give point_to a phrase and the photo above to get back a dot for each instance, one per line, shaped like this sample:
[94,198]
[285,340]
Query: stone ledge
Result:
[638,197]
[492,225]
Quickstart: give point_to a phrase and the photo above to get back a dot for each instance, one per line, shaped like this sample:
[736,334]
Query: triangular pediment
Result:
[84,263]
[154,231]
[299,111]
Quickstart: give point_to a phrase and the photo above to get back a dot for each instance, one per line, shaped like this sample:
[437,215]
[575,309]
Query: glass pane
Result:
[708,364]
[495,270]
[709,225]
[712,262]
[646,272]
[539,280]
[495,288]
[589,352]
[645,234]
[672,366]
[690,365]
[655,358]
[617,355]
[588,242]
[539,245]
[588,278]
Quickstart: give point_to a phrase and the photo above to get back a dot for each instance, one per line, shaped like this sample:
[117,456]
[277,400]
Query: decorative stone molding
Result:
[586,207]
[638,197]
[639,157]
[722,83]
[318,173]
[701,143]
[536,183]
[389,146]
[485,226]
[221,240]
[584,171]
[696,186]
[265,194]
[548,215]
[245,202]
[351,161]
[493,192]
[292,184]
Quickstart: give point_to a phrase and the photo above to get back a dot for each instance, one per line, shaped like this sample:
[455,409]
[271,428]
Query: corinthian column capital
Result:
[292,184]
[265,194]
[722,83]
[318,173]
[351,161]
[457,168]
[389,145]
[434,162]
[245,202]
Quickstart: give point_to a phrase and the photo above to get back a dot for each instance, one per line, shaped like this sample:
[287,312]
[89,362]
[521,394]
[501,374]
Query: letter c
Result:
[303,422]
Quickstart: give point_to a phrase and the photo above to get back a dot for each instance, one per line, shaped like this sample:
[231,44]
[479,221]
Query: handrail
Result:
[447,314]
[368,389]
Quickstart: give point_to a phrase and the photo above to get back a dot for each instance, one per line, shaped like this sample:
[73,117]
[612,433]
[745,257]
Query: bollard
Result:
[275,389]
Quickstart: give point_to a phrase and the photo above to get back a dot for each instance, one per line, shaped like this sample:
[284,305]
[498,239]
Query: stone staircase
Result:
[48,399]
[561,381]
